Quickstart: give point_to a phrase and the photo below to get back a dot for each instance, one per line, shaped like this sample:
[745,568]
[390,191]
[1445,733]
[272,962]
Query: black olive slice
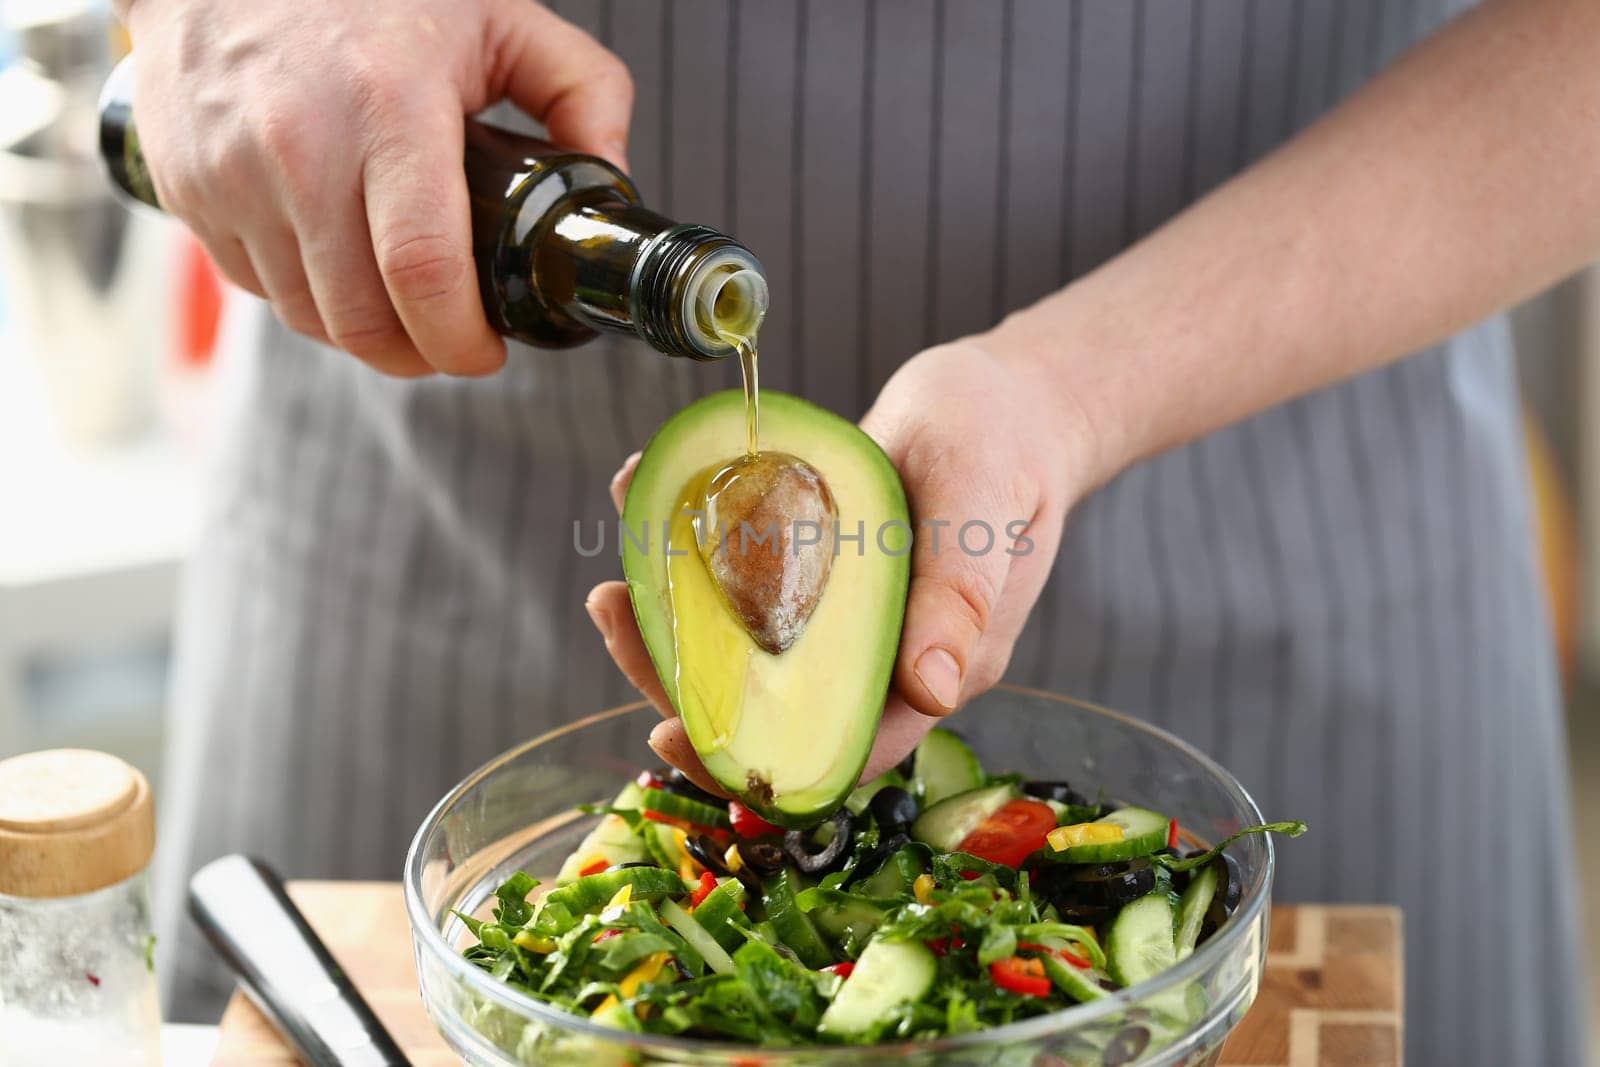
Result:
[704,851]
[1060,792]
[1229,883]
[1113,884]
[892,808]
[831,856]
[1082,914]
[764,855]
[673,781]
[1128,1045]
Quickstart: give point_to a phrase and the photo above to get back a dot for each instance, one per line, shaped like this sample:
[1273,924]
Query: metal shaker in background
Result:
[84,282]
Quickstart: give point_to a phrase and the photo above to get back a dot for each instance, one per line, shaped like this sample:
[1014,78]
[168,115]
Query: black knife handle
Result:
[285,968]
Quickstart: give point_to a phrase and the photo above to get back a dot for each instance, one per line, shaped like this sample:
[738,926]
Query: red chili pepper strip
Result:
[1172,833]
[841,969]
[606,935]
[595,868]
[747,823]
[708,882]
[970,876]
[1071,956]
[1020,975]
[715,833]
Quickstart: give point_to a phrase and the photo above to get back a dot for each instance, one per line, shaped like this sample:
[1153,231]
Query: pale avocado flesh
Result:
[789,733]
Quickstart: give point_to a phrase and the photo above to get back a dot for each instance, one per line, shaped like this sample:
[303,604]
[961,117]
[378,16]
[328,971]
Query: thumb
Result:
[580,91]
[958,570]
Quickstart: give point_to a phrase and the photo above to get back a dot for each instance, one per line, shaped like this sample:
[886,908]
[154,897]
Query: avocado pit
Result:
[767,540]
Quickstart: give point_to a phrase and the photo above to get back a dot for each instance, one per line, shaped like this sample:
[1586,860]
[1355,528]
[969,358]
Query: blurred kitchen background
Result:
[108,321]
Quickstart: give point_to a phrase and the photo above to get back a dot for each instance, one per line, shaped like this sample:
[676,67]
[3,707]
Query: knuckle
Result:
[966,596]
[366,332]
[298,311]
[374,88]
[282,130]
[424,267]
[615,73]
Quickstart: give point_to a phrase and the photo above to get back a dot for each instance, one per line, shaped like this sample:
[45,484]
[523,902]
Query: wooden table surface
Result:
[1330,997]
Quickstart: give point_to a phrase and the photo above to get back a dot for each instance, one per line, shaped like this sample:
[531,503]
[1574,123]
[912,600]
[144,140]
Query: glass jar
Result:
[77,976]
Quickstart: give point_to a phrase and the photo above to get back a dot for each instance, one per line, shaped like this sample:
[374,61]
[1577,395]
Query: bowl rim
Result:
[427,935]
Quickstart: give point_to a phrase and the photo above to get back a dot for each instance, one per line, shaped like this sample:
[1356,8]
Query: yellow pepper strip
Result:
[922,888]
[1084,833]
[533,942]
[621,897]
[733,859]
[688,869]
[645,972]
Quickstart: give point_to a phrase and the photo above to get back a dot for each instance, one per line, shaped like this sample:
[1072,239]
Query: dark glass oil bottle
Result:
[564,246]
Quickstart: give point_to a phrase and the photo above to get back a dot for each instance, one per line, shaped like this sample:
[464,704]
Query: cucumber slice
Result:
[660,844]
[944,766]
[888,974]
[792,925]
[1192,908]
[611,838]
[847,918]
[696,936]
[1140,943]
[1143,832]
[595,890]
[946,824]
[719,913]
[1080,983]
[681,807]
[895,877]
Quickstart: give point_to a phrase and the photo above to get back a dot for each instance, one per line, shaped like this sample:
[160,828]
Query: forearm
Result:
[1461,180]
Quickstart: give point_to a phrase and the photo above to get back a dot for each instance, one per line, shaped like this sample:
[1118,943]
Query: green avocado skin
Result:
[849,693]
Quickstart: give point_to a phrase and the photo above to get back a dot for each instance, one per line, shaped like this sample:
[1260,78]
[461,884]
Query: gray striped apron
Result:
[1336,599]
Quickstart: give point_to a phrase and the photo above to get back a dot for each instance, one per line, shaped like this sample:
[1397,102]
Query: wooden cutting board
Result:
[1330,997]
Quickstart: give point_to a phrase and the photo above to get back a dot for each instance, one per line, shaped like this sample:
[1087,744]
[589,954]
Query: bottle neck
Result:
[606,263]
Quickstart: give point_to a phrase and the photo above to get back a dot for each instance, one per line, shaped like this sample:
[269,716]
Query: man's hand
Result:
[316,150]
[981,451]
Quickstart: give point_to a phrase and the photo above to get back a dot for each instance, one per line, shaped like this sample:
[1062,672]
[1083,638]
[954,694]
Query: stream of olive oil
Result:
[752,394]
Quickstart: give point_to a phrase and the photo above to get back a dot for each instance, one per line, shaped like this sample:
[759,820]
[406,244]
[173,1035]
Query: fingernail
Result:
[601,620]
[940,674]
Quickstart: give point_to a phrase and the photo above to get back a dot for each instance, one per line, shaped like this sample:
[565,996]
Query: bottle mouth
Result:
[729,301]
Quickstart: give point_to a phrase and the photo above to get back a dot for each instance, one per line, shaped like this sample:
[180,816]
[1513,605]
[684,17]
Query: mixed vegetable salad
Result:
[938,900]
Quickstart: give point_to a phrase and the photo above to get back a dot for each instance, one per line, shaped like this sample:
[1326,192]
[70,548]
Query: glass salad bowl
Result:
[518,812]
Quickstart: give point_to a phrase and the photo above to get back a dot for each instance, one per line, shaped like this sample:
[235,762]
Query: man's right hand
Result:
[316,150]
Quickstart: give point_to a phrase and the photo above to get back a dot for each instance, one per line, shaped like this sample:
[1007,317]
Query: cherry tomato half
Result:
[1011,834]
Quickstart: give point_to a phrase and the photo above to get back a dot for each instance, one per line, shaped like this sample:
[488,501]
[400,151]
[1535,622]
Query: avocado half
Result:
[788,734]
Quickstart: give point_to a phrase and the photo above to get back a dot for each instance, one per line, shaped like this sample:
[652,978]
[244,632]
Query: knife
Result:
[282,965]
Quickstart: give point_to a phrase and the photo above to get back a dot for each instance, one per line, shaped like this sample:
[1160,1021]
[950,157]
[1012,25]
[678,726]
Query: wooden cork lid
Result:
[72,821]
